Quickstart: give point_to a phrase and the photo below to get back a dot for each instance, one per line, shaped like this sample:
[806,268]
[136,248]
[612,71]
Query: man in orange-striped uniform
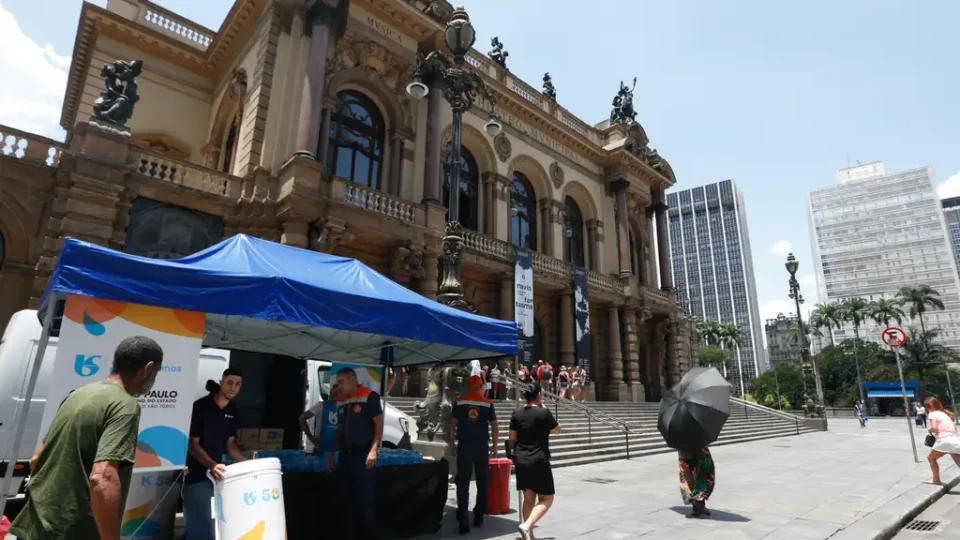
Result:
[472,414]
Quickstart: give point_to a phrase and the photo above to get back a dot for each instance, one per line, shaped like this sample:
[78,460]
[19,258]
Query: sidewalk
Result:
[848,483]
[947,512]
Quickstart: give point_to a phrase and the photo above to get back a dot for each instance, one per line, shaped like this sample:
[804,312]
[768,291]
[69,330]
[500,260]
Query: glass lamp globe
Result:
[492,127]
[417,90]
[459,35]
[792,264]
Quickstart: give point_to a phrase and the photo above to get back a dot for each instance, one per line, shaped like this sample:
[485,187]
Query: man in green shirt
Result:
[80,473]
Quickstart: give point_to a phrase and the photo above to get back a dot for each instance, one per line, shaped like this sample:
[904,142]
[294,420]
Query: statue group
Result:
[120,94]
[623,112]
[497,54]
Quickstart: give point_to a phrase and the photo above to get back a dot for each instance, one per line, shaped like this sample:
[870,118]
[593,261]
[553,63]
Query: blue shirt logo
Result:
[86,366]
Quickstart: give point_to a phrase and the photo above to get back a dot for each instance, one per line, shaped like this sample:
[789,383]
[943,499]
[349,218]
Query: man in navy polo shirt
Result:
[213,433]
[471,416]
[359,431]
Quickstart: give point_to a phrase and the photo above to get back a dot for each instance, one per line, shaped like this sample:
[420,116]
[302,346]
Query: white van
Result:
[19,346]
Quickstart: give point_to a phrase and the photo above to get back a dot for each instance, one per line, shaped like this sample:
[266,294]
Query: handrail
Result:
[604,418]
[773,412]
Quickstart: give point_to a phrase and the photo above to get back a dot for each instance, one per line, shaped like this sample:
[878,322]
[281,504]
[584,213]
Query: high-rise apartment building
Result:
[951,215]
[783,344]
[713,268]
[874,232]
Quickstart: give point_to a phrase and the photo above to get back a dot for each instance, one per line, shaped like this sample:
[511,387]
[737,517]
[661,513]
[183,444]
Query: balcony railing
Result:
[379,202]
[181,173]
[173,25]
[603,282]
[488,247]
[656,296]
[29,147]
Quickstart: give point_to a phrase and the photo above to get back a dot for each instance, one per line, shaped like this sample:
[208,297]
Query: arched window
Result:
[573,222]
[356,140]
[229,145]
[469,208]
[523,225]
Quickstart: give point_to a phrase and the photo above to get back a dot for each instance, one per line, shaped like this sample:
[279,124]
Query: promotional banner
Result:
[92,329]
[523,304]
[151,505]
[369,376]
[581,315]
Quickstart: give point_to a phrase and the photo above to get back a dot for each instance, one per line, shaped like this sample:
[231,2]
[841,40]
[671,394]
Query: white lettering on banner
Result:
[90,333]
[523,303]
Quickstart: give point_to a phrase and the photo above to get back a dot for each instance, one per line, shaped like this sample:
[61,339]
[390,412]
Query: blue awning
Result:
[888,393]
[269,297]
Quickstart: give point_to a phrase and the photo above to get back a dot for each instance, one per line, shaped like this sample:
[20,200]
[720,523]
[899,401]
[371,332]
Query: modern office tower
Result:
[783,345]
[951,214]
[713,268]
[874,232]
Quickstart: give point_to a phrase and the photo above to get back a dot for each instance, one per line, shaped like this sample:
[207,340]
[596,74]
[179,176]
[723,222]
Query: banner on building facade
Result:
[523,304]
[581,315]
[91,330]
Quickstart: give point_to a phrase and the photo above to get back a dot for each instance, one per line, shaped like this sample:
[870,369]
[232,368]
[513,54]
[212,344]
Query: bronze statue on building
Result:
[120,94]
[623,112]
[497,54]
[548,89]
[444,385]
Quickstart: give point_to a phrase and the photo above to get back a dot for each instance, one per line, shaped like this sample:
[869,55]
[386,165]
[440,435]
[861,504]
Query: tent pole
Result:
[51,312]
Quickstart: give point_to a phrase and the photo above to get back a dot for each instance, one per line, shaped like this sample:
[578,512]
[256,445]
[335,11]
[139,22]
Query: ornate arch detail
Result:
[534,171]
[18,242]
[229,111]
[579,193]
[475,141]
[395,111]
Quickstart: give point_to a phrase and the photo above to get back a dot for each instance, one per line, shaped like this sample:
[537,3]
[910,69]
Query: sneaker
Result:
[524,531]
[464,528]
[477,520]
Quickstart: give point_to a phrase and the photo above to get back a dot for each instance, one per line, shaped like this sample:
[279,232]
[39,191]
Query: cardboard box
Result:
[248,439]
[271,435]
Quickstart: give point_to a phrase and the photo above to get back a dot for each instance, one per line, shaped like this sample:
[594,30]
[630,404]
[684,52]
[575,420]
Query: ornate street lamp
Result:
[459,86]
[809,364]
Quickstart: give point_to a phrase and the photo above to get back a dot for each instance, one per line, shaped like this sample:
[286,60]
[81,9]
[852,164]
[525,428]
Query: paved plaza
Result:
[848,483]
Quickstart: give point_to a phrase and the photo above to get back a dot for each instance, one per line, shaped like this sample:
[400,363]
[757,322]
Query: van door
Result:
[212,364]
[17,394]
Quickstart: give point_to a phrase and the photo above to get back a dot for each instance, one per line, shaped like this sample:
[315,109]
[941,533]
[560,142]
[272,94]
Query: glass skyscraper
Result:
[713,268]
[875,232]
[951,214]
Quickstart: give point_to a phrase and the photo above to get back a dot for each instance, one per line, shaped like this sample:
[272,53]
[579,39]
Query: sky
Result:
[774,95]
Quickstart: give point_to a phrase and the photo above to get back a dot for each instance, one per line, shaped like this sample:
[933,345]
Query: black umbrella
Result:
[693,412]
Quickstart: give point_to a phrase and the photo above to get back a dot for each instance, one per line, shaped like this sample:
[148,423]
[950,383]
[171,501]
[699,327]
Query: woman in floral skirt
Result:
[697,476]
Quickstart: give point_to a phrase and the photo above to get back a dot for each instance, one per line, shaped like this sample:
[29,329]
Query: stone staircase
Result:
[595,433]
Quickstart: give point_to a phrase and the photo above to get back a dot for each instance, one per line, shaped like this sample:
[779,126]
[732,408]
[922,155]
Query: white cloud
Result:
[950,188]
[781,248]
[34,80]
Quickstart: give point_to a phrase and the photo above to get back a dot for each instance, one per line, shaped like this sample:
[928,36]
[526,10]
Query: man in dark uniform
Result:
[359,430]
[471,415]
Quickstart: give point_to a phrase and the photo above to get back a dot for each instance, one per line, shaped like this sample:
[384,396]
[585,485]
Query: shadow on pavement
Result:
[715,515]
[493,526]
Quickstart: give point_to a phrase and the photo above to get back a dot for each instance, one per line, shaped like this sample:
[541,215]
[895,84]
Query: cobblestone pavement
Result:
[847,483]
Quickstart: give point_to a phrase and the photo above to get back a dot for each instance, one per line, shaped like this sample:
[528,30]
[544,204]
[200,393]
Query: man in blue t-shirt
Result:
[326,413]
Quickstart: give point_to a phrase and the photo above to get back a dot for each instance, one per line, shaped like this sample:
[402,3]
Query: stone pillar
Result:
[598,365]
[623,227]
[615,384]
[671,335]
[296,233]
[324,150]
[544,242]
[632,354]
[431,267]
[311,100]
[592,251]
[395,184]
[568,351]
[663,242]
[490,204]
[507,312]
[432,182]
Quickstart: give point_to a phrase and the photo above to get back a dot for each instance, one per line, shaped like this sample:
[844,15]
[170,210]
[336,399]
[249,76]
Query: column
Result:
[324,150]
[632,354]
[663,246]
[396,165]
[489,202]
[592,257]
[432,184]
[673,364]
[311,100]
[431,267]
[545,242]
[568,351]
[507,310]
[615,385]
[623,226]
[598,365]
[295,233]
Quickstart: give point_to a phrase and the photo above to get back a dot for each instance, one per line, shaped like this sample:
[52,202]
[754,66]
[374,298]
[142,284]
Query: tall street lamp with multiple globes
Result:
[809,364]
[459,86]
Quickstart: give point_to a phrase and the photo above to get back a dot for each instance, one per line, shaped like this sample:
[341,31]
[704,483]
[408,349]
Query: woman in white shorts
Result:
[940,423]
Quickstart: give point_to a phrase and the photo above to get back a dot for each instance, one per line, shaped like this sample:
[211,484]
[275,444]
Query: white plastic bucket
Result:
[151,505]
[249,502]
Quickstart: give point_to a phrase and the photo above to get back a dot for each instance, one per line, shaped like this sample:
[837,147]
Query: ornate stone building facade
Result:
[223,141]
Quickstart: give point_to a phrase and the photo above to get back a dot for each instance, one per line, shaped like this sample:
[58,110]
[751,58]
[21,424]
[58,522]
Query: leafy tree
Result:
[921,350]
[787,377]
[750,398]
[838,371]
[885,310]
[713,356]
[918,298]
[827,315]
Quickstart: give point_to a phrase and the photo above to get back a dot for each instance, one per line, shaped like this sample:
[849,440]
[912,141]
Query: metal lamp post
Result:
[808,362]
[458,86]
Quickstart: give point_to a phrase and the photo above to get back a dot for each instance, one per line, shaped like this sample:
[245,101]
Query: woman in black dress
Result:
[530,429]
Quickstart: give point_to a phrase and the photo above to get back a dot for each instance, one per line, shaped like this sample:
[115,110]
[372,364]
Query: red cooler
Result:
[498,498]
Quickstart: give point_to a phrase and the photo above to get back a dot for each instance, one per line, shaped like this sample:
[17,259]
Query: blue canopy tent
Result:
[268,297]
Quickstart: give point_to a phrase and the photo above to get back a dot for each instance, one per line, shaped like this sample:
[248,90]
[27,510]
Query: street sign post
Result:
[895,338]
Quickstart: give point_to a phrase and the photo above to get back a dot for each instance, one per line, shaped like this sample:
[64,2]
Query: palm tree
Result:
[730,338]
[828,315]
[921,349]
[919,298]
[885,310]
[710,331]
[856,310]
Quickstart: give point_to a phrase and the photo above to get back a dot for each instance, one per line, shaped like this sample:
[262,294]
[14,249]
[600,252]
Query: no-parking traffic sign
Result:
[894,337]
